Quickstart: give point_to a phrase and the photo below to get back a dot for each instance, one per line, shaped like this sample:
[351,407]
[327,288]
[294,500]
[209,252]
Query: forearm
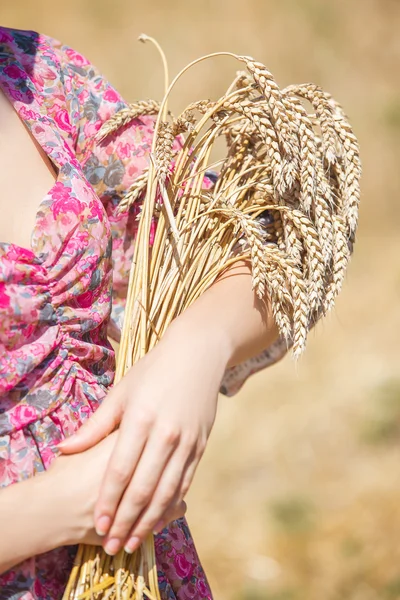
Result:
[231,317]
[167,405]
[30,522]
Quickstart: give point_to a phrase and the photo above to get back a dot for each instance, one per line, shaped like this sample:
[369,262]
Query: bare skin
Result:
[19,201]
[149,463]
[60,507]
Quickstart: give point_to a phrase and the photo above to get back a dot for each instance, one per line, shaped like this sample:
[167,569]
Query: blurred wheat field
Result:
[298,496]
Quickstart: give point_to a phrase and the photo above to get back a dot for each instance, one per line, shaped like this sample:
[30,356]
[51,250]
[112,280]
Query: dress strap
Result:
[19,85]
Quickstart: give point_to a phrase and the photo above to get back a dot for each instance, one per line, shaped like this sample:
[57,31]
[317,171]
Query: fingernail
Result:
[132,544]
[66,441]
[112,546]
[103,525]
[159,527]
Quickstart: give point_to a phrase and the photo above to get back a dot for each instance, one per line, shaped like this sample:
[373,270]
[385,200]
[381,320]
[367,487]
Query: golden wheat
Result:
[285,200]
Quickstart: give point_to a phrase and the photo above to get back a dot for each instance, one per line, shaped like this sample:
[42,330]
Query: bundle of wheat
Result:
[285,200]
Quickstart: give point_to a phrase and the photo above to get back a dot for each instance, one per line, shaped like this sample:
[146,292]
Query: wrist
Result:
[38,521]
[55,510]
[202,335]
[71,515]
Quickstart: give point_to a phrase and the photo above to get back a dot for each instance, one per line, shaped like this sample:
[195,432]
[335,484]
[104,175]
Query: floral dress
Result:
[59,298]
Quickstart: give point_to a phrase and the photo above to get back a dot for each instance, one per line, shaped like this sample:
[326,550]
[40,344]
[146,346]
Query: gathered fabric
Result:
[60,298]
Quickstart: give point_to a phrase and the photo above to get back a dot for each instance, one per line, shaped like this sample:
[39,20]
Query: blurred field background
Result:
[298,497]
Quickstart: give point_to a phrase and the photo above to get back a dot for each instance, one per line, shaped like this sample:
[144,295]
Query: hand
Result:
[77,479]
[165,408]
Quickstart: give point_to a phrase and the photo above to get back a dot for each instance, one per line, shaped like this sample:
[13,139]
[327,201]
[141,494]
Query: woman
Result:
[64,261]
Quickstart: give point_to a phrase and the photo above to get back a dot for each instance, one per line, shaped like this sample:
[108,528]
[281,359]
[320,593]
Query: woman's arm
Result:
[232,316]
[30,520]
[56,508]
[166,405]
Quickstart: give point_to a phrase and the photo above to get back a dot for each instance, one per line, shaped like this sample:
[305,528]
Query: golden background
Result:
[298,496]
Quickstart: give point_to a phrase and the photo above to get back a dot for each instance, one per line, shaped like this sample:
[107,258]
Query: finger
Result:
[179,505]
[176,511]
[121,466]
[97,427]
[166,495]
[189,474]
[141,486]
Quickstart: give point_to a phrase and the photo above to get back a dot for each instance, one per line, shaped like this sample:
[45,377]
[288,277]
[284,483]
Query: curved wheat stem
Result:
[126,115]
[285,201]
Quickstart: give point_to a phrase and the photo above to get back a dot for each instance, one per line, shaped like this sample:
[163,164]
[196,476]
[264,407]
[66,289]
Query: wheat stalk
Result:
[126,115]
[285,201]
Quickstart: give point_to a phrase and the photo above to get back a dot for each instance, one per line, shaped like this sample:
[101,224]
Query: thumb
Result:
[106,418]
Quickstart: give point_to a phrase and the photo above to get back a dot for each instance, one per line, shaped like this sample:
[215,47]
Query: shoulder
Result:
[26,45]
[32,49]
[19,40]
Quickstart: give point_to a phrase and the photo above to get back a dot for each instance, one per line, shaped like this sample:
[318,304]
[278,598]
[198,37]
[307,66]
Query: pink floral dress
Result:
[59,298]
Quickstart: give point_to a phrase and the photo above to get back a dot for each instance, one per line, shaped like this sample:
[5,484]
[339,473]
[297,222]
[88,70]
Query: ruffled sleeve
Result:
[112,166]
